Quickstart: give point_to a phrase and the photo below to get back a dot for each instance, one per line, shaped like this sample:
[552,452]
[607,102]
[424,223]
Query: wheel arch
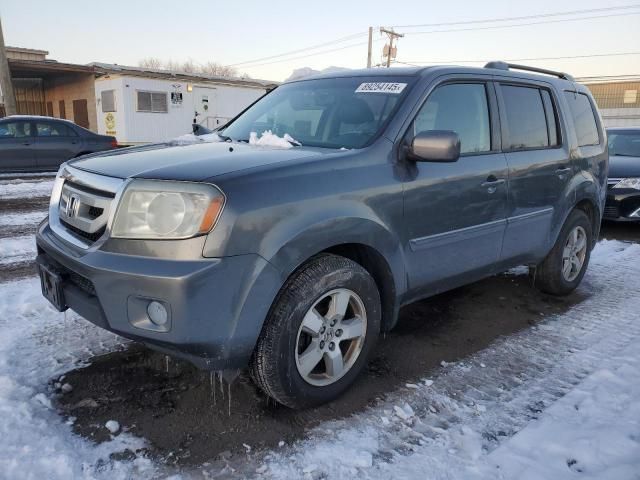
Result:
[378,267]
[362,240]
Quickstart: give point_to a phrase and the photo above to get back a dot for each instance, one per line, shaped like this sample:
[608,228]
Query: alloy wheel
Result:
[574,254]
[331,337]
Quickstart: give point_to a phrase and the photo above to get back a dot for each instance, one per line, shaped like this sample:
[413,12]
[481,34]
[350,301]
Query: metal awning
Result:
[47,68]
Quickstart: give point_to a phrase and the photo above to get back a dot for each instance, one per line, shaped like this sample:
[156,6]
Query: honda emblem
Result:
[73,203]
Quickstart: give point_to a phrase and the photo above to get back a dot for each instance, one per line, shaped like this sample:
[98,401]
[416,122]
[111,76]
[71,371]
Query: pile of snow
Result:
[304,72]
[22,189]
[190,139]
[268,139]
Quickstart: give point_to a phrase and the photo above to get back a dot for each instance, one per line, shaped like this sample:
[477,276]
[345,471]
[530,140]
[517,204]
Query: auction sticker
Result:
[381,87]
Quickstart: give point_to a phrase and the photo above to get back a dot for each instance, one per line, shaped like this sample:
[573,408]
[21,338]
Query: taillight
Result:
[114,143]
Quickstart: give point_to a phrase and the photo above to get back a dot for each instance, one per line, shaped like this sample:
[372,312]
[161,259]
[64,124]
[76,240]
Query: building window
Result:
[108,100]
[155,102]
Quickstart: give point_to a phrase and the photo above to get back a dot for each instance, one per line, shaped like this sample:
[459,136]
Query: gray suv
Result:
[384,187]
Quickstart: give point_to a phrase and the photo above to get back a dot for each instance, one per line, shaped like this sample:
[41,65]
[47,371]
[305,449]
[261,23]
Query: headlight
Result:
[628,183]
[166,210]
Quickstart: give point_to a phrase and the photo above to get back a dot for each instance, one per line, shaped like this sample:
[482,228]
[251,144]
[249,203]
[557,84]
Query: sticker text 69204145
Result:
[381,87]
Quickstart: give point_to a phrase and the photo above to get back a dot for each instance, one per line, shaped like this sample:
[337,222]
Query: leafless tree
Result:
[150,62]
[211,68]
[217,69]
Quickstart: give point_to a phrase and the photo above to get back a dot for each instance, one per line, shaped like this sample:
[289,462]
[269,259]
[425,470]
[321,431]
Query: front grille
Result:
[75,278]
[81,282]
[83,211]
[92,237]
[611,211]
[95,212]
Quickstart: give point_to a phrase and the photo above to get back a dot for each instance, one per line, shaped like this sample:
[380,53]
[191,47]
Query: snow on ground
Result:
[593,431]
[38,344]
[19,188]
[19,219]
[17,249]
[4,176]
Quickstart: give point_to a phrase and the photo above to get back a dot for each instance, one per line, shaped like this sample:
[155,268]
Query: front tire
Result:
[319,333]
[563,268]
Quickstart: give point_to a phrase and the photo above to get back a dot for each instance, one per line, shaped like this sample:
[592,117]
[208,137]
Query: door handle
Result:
[26,143]
[492,183]
[562,171]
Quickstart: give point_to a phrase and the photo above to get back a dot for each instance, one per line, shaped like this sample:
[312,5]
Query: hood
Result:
[624,167]
[188,162]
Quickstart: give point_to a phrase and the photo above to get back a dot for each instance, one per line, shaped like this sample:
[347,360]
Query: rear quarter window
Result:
[584,119]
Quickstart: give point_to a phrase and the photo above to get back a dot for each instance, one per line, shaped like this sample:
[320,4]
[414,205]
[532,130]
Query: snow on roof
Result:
[124,69]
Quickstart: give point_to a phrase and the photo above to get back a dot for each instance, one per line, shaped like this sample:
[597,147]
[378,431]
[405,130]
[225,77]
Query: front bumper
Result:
[216,306]
[623,205]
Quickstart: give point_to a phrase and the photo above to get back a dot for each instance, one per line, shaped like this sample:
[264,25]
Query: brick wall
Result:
[69,88]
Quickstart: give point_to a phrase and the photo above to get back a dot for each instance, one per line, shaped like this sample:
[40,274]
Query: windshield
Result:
[624,143]
[331,113]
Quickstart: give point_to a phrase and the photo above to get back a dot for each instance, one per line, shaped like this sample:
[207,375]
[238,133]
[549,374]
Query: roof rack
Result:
[526,68]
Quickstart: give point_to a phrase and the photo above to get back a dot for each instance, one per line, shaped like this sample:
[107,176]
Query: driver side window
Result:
[462,108]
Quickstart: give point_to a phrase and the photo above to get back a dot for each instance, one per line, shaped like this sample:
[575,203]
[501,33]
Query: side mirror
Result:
[435,146]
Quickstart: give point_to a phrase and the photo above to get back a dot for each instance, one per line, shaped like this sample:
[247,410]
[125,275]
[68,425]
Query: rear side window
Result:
[526,118]
[462,108]
[584,119]
[49,129]
[15,130]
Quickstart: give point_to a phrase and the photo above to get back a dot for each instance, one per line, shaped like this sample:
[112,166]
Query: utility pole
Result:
[370,46]
[5,79]
[392,36]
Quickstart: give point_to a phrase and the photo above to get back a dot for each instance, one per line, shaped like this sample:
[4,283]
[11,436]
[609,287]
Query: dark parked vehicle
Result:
[397,184]
[623,197]
[44,143]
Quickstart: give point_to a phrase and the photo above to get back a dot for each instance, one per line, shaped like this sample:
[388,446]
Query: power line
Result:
[494,27]
[261,61]
[616,54]
[526,17]
[312,54]
[292,52]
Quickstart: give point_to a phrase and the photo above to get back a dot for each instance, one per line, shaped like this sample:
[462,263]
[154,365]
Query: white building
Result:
[139,105]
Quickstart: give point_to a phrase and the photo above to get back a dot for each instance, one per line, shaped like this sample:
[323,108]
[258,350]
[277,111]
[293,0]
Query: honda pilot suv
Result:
[290,243]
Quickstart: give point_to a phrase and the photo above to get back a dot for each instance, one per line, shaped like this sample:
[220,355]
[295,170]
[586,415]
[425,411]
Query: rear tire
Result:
[319,333]
[565,265]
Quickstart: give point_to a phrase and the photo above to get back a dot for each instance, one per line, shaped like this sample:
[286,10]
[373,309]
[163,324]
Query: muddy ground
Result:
[174,406]
[188,420]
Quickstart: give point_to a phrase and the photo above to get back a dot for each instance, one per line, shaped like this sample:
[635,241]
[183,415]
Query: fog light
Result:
[157,313]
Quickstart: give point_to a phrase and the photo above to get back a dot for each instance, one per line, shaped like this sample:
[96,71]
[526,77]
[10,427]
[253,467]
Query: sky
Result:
[233,32]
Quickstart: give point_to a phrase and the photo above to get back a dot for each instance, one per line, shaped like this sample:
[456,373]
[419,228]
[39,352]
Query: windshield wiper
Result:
[225,138]
[295,143]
